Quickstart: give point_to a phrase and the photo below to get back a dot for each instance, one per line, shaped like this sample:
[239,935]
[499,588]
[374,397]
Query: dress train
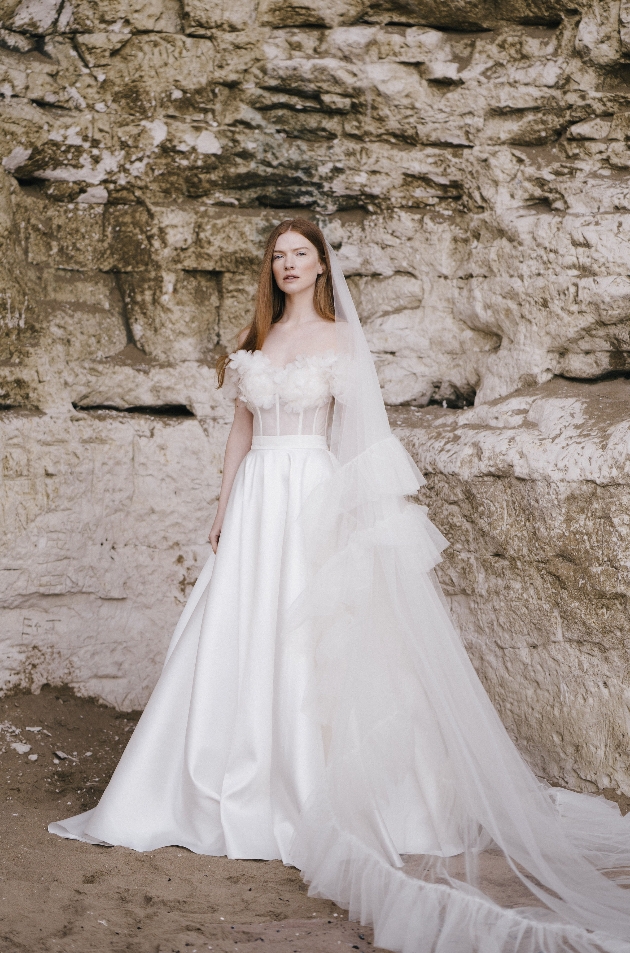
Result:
[318,706]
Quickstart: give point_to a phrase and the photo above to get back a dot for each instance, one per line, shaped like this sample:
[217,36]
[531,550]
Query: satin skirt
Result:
[224,756]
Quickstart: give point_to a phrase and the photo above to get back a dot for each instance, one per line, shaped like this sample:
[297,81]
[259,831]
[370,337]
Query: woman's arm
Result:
[238,444]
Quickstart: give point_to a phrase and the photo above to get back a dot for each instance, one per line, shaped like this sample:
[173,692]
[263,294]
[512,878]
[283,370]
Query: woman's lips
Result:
[290,277]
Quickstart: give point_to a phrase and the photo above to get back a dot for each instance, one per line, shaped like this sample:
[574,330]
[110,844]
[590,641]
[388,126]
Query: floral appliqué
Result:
[308,381]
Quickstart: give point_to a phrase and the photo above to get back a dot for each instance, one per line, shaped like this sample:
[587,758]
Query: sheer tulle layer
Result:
[415,916]
[596,829]
[418,760]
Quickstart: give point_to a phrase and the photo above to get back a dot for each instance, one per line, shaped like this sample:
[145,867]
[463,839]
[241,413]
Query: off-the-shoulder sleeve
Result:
[238,364]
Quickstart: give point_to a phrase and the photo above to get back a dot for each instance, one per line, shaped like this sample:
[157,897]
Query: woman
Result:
[316,703]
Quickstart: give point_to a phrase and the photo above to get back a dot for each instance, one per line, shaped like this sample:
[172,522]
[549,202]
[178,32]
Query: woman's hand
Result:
[215,535]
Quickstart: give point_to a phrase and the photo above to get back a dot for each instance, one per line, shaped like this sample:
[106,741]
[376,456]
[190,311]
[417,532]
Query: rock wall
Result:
[470,162]
[534,492]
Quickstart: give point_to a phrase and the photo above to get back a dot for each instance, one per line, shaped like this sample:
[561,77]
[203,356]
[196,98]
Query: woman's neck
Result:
[299,309]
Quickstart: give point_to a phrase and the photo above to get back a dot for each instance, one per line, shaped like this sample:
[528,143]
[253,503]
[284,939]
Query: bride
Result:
[316,704]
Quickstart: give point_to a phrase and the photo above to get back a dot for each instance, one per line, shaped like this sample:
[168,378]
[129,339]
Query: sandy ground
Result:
[59,895]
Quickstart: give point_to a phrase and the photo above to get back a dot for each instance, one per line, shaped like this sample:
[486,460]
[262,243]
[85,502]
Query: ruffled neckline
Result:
[299,359]
[309,380]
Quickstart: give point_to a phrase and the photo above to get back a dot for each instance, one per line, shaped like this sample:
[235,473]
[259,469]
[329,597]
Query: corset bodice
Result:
[294,399]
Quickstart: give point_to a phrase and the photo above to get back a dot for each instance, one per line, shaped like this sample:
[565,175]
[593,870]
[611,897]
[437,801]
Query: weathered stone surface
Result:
[35,16]
[173,315]
[130,380]
[105,520]
[121,16]
[470,162]
[365,116]
[533,490]
[201,16]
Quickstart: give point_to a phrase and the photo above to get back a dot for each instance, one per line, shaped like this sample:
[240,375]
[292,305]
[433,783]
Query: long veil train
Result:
[411,732]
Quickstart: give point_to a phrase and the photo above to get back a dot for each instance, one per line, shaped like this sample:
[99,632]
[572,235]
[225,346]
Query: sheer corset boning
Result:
[293,400]
[279,422]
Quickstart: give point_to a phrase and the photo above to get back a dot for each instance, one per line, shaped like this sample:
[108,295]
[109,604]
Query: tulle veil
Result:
[410,731]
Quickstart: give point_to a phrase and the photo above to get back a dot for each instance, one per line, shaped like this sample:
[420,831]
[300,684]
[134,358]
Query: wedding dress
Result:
[316,704]
[224,757]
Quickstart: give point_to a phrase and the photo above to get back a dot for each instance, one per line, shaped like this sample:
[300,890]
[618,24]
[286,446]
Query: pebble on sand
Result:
[20,747]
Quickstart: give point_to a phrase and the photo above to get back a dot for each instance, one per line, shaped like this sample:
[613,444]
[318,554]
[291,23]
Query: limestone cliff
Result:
[469,160]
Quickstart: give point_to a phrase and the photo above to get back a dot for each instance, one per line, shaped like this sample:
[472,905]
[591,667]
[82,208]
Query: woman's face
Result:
[295,263]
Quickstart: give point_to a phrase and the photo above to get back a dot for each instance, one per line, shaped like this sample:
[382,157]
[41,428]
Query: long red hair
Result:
[270,299]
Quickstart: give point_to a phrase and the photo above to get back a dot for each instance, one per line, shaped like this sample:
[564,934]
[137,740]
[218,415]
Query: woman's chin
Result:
[294,287]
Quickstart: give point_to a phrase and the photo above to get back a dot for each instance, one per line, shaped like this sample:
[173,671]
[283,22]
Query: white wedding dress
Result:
[316,704]
[224,757]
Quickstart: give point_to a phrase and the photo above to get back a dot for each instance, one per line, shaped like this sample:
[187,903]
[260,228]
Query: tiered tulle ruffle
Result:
[418,760]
